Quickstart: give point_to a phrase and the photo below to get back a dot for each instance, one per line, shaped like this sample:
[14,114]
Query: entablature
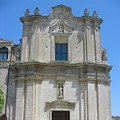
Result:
[60,71]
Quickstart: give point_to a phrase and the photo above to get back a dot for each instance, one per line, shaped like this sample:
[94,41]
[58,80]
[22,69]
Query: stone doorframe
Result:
[59,105]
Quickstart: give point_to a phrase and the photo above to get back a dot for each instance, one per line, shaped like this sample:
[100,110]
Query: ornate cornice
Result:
[60,12]
[82,71]
[91,19]
[6,43]
[61,63]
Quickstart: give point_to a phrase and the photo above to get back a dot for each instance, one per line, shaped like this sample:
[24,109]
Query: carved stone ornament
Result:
[27,13]
[60,90]
[86,13]
[97,29]
[104,56]
[61,12]
[61,29]
[60,87]
[36,11]
[17,53]
[95,14]
[17,56]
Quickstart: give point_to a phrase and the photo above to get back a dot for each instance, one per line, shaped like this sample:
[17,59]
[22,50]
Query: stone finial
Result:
[36,11]
[95,14]
[27,13]
[86,12]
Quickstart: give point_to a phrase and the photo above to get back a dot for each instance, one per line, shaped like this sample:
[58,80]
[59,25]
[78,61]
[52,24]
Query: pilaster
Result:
[19,100]
[34,41]
[29,115]
[24,49]
[89,43]
[92,101]
[97,42]
[101,102]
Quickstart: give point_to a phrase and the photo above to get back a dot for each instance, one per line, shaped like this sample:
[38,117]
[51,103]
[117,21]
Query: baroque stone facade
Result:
[59,68]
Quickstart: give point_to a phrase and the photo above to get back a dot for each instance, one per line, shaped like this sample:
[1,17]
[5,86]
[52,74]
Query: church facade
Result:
[58,71]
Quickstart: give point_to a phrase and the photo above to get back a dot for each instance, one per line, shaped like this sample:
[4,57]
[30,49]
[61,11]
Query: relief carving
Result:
[61,29]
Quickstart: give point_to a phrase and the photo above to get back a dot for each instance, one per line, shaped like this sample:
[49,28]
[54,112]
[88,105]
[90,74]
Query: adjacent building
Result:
[58,71]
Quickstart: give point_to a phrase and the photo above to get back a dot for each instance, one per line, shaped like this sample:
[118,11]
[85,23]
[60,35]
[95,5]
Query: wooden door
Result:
[60,115]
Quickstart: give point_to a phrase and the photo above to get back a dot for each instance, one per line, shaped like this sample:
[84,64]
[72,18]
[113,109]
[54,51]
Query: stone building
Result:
[58,71]
[115,117]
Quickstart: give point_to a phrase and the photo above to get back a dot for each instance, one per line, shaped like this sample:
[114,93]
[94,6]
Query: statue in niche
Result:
[60,90]
[61,29]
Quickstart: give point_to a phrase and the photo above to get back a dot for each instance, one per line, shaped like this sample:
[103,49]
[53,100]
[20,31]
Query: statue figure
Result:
[86,13]
[61,28]
[36,11]
[60,90]
[95,14]
[104,56]
[17,56]
[27,13]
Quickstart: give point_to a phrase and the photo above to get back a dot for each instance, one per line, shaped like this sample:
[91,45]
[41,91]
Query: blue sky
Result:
[108,10]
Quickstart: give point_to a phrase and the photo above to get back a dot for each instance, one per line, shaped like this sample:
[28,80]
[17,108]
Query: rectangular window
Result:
[61,52]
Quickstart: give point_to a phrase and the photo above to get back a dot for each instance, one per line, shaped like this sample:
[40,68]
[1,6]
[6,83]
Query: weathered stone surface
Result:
[39,84]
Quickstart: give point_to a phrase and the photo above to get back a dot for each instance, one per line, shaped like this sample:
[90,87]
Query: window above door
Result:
[61,51]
